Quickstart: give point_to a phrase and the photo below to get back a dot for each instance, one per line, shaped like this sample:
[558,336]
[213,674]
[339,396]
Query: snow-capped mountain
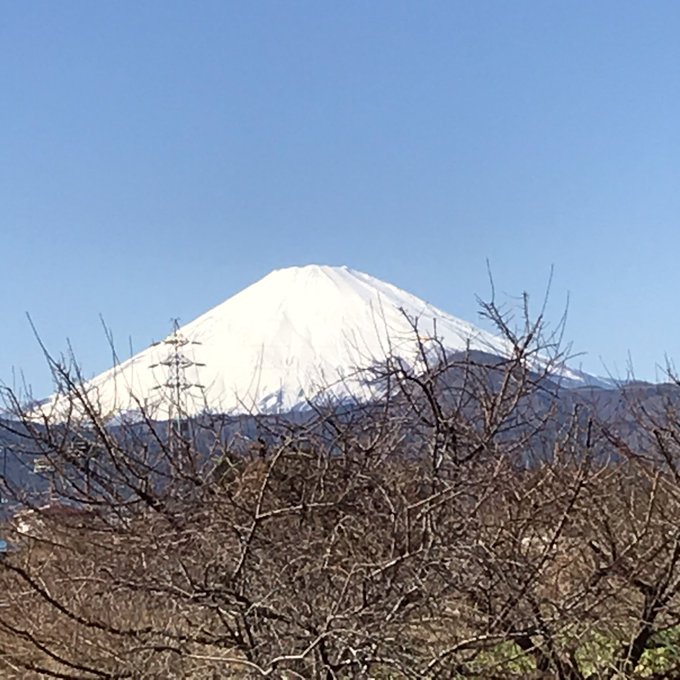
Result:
[285,339]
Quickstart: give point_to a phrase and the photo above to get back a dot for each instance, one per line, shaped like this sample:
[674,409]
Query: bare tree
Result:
[471,523]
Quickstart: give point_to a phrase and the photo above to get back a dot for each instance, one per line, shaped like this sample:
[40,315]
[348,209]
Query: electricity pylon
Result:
[177,386]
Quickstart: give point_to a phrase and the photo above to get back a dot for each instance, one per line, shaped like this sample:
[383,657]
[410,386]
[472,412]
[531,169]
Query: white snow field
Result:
[298,333]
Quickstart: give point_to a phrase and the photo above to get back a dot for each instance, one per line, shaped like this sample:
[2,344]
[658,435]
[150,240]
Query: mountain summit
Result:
[285,339]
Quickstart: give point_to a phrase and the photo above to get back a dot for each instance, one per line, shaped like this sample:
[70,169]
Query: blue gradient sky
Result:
[158,156]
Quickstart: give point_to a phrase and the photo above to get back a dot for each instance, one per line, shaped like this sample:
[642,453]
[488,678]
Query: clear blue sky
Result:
[158,156]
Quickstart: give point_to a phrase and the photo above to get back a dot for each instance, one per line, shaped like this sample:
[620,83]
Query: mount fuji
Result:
[297,333]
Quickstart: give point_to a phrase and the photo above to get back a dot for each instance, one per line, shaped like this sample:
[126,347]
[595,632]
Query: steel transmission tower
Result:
[177,386]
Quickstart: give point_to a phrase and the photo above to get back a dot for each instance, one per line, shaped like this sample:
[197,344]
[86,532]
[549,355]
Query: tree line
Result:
[467,525]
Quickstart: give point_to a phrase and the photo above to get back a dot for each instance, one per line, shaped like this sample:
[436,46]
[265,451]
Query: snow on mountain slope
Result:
[296,332]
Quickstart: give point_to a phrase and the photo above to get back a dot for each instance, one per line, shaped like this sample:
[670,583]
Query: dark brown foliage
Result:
[459,529]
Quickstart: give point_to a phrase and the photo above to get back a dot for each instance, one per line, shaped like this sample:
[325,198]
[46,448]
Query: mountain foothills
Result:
[298,333]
